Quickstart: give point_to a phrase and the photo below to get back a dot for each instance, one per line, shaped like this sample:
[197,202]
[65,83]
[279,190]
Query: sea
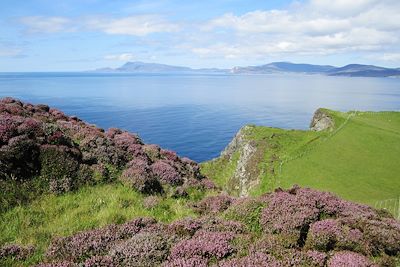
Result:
[198,115]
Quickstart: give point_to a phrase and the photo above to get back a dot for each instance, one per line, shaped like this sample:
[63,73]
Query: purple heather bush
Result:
[19,158]
[215,224]
[169,155]
[194,261]
[383,236]
[143,249]
[349,259]
[185,227]
[138,176]
[253,260]
[323,235]
[214,204]
[316,258]
[82,245]
[166,173]
[16,251]
[205,244]
[94,242]
[99,261]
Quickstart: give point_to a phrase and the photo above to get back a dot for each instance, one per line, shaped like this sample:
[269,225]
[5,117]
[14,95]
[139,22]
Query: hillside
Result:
[76,195]
[351,70]
[356,158]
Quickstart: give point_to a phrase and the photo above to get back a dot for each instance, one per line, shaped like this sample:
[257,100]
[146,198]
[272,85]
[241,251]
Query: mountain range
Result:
[351,70]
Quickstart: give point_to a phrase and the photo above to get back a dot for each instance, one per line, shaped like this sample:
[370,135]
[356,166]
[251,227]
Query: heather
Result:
[293,230]
[43,150]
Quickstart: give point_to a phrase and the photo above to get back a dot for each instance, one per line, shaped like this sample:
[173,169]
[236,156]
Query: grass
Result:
[358,160]
[90,207]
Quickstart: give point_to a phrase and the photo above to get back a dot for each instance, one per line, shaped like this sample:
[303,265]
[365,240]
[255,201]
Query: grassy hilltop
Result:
[357,158]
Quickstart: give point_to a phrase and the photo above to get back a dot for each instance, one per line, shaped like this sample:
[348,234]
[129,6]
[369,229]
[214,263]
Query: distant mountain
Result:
[353,70]
[283,67]
[142,67]
[358,70]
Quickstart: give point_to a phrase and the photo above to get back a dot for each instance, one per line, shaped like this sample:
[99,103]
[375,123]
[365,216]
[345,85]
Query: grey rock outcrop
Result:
[321,121]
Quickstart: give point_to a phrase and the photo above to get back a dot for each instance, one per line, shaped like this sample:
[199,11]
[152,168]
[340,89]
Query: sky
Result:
[76,35]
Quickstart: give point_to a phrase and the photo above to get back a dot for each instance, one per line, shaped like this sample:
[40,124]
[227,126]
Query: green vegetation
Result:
[222,171]
[88,208]
[358,159]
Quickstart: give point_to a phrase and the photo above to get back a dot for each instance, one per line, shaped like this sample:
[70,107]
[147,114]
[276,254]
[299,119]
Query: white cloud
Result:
[391,57]
[318,27]
[140,25]
[120,57]
[41,24]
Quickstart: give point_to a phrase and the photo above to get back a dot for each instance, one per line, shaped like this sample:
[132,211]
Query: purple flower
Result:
[16,251]
[204,244]
[143,249]
[139,177]
[166,173]
[349,259]
[99,261]
[253,260]
[214,204]
[194,261]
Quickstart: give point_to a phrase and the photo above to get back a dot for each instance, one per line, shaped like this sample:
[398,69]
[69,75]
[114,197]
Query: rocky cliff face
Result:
[246,172]
[321,121]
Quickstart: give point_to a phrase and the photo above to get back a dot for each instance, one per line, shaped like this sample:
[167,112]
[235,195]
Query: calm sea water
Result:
[197,115]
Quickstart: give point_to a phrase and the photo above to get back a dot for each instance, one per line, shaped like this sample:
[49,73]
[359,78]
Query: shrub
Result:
[143,249]
[316,258]
[82,245]
[137,176]
[8,127]
[205,244]
[214,204]
[152,151]
[169,155]
[16,251]
[290,215]
[323,235]
[349,259]
[253,260]
[166,173]
[131,228]
[185,227]
[59,166]
[383,236]
[99,261]
[194,261]
[19,158]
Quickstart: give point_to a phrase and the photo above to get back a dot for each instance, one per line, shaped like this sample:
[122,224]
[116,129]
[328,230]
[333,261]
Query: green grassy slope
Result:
[360,162]
[88,208]
[359,159]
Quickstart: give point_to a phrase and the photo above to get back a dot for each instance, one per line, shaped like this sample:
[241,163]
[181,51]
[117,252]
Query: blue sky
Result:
[48,35]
